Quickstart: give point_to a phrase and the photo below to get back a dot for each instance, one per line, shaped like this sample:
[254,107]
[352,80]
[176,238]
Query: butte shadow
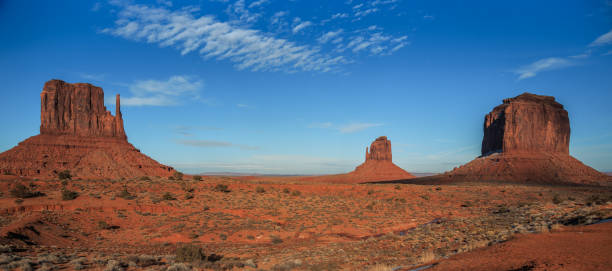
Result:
[526,140]
[78,134]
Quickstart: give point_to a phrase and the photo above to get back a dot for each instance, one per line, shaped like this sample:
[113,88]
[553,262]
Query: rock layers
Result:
[378,164]
[527,123]
[377,167]
[526,139]
[77,133]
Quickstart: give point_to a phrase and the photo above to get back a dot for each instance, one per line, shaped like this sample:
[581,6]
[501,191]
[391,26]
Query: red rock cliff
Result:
[78,134]
[77,109]
[527,123]
[380,150]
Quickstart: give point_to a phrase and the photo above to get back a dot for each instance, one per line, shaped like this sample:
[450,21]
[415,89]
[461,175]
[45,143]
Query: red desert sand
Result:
[79,196]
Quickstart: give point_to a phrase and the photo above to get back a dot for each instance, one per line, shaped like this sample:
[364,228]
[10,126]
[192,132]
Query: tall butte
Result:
[77,133]
[378,164]
[526,139]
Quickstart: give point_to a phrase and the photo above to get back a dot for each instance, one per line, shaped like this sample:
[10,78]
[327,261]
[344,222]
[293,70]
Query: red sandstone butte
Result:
[378,164]
[77,133]
[526,139]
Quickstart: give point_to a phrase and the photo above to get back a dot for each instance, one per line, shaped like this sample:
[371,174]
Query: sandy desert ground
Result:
[288,223]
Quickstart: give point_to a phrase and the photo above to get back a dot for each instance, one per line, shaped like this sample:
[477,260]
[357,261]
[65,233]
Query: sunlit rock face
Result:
[527,123]
[78,134]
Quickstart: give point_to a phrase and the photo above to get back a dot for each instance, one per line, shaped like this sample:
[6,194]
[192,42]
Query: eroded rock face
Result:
[380,150]
[77,109]
[526,139]
[78,134]
[378,164]
[527,123]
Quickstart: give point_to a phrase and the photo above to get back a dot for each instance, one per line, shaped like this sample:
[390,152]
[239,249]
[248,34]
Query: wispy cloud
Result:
[331,35]
[168,92]
[214,144]
[299,25]
[356,127]
[541,65]
[92,76]
[346,128]
[602,40]
[187,130]
[553,63]
[247,48]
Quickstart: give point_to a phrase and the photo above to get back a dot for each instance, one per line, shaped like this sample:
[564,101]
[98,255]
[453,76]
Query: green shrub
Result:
[145,178]
[124,194]
[69,195]
[168,196]
[222,188]
[189,253]
[21,191]
[556,199]
[63,175]
[296,193]
[177,175]
[103,225]
[275,239]
[260,189]
[286,190]
[197,178]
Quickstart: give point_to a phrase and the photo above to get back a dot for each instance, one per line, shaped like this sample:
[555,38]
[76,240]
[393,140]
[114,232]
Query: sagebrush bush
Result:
[64,175]
[222,188]
[190,253]
[22,191]
[177,175]
[168,196]
[197,178]
[69,195]
[124,194]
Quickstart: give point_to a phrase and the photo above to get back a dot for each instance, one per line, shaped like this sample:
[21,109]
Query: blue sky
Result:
[302,87]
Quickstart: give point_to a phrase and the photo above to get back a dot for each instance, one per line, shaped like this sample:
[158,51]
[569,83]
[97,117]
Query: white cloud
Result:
[165,2]
[93,77]
[248,49]
[240,10]
[377,43]
[602,40]
[357,127]
[258,3]
[339,15]
[331,35]
[541,65]
[361,13]
[301,26]
[162,92]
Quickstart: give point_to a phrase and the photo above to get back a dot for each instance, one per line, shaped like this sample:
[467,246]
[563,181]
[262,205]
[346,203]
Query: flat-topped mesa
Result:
[527,123]
[78,109]
[380,150]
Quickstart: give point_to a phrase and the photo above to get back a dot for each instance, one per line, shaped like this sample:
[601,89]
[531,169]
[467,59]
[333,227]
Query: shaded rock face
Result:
[380,150]
[527,123]
[78,134]
[77,109]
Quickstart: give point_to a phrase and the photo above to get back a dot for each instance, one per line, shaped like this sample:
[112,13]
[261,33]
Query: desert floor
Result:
[287,223]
